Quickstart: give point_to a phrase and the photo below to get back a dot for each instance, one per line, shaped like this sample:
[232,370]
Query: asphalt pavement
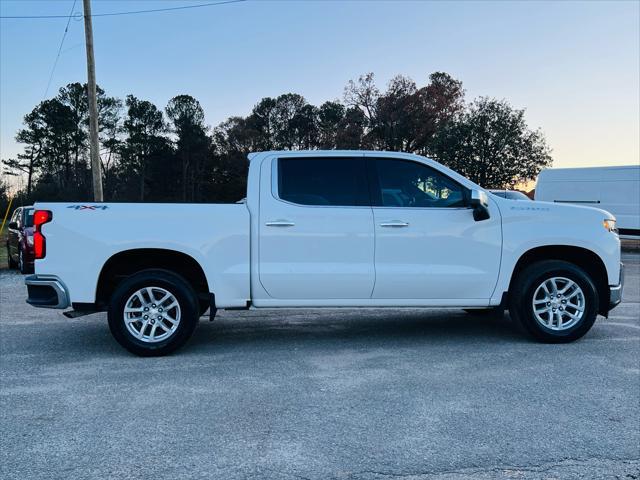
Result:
[320,394]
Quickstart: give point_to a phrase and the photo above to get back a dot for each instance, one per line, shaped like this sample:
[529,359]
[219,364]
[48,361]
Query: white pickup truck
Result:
[328,229]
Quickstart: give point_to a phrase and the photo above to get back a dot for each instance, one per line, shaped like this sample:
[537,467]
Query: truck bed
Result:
[87,235]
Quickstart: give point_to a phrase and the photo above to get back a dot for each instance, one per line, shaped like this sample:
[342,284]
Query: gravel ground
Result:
[318,394]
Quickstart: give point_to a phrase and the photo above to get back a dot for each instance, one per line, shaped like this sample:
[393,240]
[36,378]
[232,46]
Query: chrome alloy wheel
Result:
[558,303]
[152,314]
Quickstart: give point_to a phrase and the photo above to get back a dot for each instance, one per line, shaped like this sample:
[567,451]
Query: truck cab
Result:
[330,229]
[369,230]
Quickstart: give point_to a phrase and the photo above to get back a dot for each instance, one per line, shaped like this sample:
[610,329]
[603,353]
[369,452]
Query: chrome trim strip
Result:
[275,195]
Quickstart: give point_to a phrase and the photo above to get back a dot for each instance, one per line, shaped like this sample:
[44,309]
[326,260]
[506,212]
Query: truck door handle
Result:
[280,223]
[394,223]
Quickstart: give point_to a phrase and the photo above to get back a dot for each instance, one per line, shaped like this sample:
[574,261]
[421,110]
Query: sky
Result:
[573,66]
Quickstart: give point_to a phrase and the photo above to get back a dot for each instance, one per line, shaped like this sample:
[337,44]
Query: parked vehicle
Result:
[328,229]
[510,194]
[20,240]
[615,189]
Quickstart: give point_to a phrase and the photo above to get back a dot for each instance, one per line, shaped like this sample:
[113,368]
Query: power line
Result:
[133,12]
[64,35]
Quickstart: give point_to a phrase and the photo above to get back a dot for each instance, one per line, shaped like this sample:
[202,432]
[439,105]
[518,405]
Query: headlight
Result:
[609,225]
[30,240]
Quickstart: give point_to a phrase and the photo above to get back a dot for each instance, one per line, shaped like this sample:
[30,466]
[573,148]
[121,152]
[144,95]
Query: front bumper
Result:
[46,291]
[615,292]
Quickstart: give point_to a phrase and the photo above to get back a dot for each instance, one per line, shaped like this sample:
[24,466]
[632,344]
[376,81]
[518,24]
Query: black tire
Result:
[523,290]
[10,263]
[173,283]
[23,267]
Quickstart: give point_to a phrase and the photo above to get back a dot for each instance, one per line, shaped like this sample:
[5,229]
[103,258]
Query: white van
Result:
[615,189]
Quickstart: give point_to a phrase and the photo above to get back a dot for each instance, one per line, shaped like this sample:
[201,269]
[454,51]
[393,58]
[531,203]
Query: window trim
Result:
[375,190]
[372,182]
[275,180]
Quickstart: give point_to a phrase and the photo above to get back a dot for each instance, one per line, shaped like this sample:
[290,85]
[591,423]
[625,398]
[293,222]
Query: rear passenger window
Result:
[329,181]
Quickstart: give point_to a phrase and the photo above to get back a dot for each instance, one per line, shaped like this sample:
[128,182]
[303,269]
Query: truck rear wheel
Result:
[22,266]
[10,262]
[554,301]
[153,312]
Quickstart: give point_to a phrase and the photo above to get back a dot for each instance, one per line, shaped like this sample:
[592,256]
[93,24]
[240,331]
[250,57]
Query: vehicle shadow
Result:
[255,332]
[351,327]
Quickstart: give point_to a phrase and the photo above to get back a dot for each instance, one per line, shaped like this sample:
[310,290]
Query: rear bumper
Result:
[46,291]
[615,291]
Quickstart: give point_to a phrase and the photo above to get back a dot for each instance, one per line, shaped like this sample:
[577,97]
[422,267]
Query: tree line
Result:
[150,154]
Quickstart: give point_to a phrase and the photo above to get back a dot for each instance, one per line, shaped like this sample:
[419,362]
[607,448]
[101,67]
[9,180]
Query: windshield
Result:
[514,195]
[510,194]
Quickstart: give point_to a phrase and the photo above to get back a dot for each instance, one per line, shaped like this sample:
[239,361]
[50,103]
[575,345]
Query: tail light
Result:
[40,217]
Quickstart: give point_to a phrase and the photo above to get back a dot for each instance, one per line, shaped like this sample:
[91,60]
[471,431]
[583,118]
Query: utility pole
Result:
[94,149]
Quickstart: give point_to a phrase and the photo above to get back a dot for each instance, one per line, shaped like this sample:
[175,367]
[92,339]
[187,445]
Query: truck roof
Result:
[332,153]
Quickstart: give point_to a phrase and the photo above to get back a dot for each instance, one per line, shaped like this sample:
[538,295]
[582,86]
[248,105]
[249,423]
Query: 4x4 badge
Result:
[88,207]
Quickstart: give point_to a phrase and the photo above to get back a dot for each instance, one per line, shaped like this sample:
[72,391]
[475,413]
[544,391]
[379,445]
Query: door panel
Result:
[319,250]
[440,254]
[428,246]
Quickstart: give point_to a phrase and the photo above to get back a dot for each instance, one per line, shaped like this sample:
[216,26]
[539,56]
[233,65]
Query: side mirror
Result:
[13,225]
[480,203]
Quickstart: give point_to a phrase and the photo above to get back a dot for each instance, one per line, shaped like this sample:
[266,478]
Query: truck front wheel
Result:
[554,301]
[153,312]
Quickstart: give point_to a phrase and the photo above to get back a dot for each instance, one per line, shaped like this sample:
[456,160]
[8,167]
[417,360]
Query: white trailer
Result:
[615,189]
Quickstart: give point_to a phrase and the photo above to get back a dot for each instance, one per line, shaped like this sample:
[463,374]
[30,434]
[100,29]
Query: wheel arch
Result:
[582,257]
[128,262]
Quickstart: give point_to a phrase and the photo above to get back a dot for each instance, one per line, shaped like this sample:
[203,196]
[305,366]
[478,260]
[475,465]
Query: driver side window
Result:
[406,184]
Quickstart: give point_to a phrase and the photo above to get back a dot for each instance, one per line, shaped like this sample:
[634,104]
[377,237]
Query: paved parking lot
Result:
[320,394]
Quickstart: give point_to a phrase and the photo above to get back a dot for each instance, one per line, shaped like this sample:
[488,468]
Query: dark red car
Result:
[20,240]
